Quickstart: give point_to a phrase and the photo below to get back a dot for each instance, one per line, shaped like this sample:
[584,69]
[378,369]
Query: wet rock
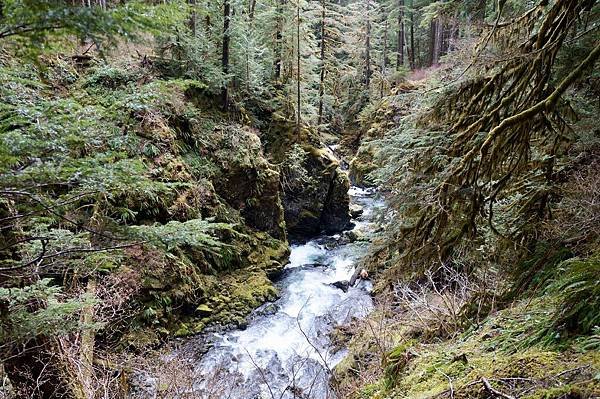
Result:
[332,242]
[315,192]
[336,215]
[355,235]
[342,285]
[351,236]
[316,265]
[267,309]
[356,210]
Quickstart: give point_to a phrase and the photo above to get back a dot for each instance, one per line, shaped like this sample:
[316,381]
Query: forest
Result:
[311,199]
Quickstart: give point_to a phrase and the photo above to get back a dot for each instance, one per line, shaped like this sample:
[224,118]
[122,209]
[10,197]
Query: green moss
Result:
[307,214]
[396,361]
[494,351]
[566,391]
[371,391]
[361,166]
[157,156]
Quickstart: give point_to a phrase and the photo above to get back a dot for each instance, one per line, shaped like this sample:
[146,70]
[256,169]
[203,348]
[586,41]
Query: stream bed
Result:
[285,351]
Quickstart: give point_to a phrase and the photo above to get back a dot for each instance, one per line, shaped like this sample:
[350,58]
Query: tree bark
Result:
[322,75]
[412,38]
[279,40]
[298,110]
[435,41]
[400,51]
[368,46]
[252,7]
[384,62]
[225,54]
[86,353]
[192,21]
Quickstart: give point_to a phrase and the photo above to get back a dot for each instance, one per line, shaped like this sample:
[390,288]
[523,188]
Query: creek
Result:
[286,351]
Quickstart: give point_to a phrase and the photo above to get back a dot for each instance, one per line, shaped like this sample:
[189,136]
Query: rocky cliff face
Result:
[315,192]
[247,181]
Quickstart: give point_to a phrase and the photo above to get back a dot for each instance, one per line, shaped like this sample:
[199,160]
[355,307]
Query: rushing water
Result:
[285,351]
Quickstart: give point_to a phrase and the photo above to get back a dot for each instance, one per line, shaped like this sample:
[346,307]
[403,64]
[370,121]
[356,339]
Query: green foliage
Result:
[195,234]
[35,22]
[40,309]
[110,77]
[396,361]
[577,286]
[533,273]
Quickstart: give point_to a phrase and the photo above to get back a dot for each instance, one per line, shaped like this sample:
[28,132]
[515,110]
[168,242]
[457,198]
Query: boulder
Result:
[342,285]
[351,235]
[356,211]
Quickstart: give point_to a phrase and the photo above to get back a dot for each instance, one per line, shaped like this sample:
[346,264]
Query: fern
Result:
[196,234]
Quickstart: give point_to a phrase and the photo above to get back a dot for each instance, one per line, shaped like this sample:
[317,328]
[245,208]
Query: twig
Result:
[310,342]
[449,382]
[50,210]
[88,49]
[261,372]
[488,387]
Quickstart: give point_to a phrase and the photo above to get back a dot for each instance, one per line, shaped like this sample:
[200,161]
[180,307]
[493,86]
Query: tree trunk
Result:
[480,11]
[192,21]
[252,7]
[412,38]
[432,36]
[298,116]
[225,54]
[368,46]
[86,352]
[207,21]
[419,55]
[384,62]
[322,77]
[279,40]
[400,51]
[435,47]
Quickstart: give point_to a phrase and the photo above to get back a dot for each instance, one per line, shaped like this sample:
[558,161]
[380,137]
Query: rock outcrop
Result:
[361,165]
[315,192]
[247,181]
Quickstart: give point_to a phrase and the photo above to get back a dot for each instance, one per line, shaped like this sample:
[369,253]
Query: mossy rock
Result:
[361,166]
[315,192]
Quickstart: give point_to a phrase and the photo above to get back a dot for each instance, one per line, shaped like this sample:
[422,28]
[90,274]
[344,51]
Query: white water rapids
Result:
[285,351]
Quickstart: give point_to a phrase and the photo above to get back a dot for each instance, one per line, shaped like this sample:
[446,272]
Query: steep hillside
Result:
[134,191]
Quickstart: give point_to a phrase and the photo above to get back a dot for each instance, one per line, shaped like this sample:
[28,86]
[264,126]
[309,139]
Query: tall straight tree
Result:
[225,53]
[368,45]
[192,21]
[279,40]
[322,72]
[437,29]
[331,35]
[412,36]
[298,74]
[400,50]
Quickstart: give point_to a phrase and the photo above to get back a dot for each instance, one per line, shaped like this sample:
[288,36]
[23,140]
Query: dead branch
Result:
[488,387]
